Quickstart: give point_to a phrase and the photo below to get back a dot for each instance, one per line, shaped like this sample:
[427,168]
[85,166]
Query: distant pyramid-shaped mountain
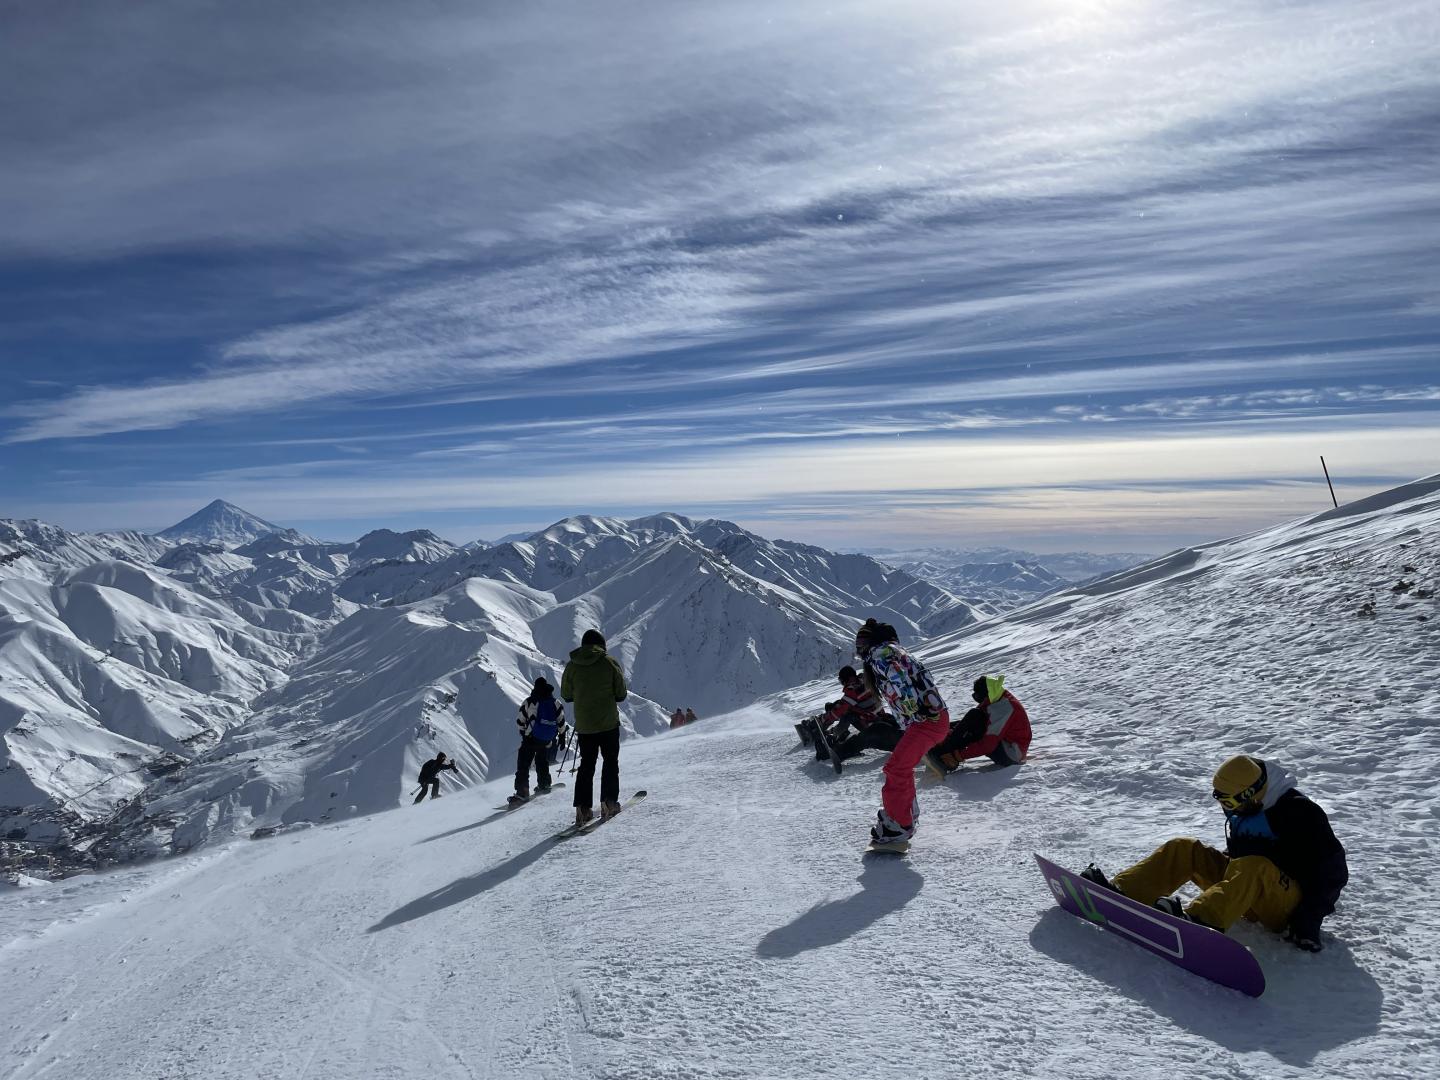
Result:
[220,523]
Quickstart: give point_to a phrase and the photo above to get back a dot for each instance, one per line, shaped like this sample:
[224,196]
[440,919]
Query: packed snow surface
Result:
[728,925]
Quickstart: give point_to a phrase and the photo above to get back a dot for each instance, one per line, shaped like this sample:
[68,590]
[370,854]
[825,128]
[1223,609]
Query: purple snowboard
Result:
[1196,948]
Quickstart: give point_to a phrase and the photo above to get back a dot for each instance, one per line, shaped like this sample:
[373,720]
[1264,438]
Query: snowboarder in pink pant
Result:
[919,712]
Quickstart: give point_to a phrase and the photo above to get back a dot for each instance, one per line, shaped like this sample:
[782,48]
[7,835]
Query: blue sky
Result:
[1070,275]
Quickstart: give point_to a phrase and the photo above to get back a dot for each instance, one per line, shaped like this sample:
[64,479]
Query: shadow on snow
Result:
[976,784]
[885,887]
[466,828]
[466,888]
[1311,1004]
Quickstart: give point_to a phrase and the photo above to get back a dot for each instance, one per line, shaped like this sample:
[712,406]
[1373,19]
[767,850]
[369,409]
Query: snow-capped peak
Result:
[219,523]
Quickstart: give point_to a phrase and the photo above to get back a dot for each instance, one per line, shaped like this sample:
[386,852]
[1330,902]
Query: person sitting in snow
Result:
[920,714]
[430,776]
[540,721]
[998,728]
[1282,865]
[690,716]
[858,708]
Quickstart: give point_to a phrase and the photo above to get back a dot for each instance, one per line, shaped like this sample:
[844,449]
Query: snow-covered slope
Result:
[109,672]
[728,926]
[39,551]
[693,630]
[346,736]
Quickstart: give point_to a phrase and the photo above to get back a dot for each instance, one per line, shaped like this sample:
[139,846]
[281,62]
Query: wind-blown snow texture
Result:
[728,927]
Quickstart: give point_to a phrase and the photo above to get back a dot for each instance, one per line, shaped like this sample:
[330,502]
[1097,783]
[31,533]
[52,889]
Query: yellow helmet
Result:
[1240,782]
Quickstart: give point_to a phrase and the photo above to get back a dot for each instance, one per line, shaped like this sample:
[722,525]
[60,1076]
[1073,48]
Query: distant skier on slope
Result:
[594,682]
[1282,866]
[690,716]
[430,776]
[677,719]
[998,728]
[540,721]
[858,707]
[919,713]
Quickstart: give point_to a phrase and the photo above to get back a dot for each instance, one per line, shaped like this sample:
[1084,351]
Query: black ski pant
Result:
[878,736]
[428,787]
[598,744]
[536,752]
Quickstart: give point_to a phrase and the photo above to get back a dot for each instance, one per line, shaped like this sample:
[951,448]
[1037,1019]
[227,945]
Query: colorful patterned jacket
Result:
[904,684]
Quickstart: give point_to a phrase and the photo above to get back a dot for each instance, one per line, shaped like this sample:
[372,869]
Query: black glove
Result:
[971,726]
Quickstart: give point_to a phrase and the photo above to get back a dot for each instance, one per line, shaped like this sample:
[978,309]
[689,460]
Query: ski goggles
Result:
[1243,797]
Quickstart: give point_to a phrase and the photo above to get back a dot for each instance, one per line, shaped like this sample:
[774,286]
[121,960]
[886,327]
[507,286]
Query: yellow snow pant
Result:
[1251,887]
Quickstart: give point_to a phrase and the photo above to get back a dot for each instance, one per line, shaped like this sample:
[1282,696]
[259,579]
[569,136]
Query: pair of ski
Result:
[595,822]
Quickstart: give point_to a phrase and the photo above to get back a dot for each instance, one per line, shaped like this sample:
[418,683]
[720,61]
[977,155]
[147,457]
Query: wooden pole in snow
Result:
[1327,481]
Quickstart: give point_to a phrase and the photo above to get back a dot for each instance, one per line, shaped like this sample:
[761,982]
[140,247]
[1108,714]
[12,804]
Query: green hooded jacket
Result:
[594,682]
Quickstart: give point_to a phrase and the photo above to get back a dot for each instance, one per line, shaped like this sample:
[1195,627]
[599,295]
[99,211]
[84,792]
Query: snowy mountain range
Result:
[729,924]
[997,579]
[165,693]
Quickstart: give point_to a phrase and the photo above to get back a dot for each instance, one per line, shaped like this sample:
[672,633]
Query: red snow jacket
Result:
[1005,722]
[859,707]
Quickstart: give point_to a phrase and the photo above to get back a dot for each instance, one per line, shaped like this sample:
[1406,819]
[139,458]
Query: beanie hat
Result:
[593,637]
[543,688]
[988,688]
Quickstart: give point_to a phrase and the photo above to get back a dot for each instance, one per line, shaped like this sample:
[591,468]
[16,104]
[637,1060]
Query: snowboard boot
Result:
[583,814]
[886,831]
[519,798]
[803,730]
[609,810]
[1302,940]
[822,746]
[1172,905]
[1094,874]
[543,789]
[935,765]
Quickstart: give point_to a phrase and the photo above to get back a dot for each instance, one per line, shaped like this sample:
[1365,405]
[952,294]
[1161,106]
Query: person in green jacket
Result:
[594,683]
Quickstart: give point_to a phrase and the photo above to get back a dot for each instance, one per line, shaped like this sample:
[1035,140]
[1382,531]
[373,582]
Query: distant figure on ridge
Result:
[595,684]
[690,716]
[430,776]
[1282,865]
[677,719]
[540,720]
[998,728]
[919,713]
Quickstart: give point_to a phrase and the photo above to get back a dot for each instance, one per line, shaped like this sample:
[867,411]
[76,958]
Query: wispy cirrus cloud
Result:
[735,227]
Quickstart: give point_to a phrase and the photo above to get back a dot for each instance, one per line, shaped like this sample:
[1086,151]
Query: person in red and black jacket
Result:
[998,728]
[858,708]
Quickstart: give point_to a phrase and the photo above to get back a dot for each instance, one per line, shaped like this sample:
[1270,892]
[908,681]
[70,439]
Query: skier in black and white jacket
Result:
[541,721]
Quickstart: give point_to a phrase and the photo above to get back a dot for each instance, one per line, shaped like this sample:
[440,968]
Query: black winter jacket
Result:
[1295,835]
